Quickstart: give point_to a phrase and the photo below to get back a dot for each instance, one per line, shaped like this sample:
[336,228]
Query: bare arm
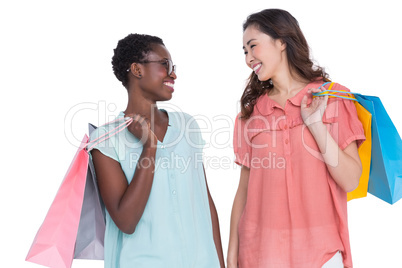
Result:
[237,210]
[215,227]
[343,165]
[126,202]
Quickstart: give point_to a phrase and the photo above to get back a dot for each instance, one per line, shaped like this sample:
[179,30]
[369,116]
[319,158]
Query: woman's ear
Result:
[282,44]
[135,69]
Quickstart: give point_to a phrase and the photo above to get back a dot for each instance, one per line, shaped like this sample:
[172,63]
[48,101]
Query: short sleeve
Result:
[241,143]
[345,124]
[106,146]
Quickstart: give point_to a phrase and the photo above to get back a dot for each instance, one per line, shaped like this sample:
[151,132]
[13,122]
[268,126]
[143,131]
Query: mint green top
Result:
[175,229]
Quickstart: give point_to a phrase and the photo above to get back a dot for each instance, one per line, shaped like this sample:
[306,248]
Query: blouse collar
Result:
[265,105]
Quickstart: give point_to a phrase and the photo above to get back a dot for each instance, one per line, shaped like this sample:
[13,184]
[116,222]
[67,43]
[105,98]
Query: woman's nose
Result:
[173,75]
[249,59]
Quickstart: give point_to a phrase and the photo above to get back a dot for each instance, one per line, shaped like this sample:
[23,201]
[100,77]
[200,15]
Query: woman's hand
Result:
[232,263]
[141,129]
[313,113]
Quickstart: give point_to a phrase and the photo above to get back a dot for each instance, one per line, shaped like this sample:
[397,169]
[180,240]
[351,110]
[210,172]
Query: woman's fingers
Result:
[304,101]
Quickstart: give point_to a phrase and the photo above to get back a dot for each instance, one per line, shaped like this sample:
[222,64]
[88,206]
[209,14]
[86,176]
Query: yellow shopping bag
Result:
[364,153]
[365,118]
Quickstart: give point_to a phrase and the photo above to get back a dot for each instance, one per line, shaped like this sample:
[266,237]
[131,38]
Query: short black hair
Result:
[132,48]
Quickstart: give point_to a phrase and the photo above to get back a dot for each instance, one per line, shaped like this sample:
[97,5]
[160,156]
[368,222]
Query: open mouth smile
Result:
[169,84]
[257,67]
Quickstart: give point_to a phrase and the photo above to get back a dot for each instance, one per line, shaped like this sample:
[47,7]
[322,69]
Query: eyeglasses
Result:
[165,62]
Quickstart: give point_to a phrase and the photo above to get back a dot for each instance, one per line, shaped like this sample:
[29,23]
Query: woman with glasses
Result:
[159,212]
[299,155]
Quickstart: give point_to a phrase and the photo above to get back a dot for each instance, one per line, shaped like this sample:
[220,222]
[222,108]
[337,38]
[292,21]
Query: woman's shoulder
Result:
[108,128]
[340,87]
[340,107]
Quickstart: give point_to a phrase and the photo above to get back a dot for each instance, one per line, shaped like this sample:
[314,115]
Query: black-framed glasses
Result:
[165,62]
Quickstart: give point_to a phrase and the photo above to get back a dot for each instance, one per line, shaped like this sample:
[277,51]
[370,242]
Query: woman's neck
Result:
[287,85]
[144,107]
[140,106]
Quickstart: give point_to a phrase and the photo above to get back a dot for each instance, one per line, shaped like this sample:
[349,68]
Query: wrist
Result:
[149,149]
[150,144]
[231,260]
[317,128]
[313,118]
[231,264]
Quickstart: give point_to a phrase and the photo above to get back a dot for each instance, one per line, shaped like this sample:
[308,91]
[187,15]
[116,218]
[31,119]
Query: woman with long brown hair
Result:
[299,155]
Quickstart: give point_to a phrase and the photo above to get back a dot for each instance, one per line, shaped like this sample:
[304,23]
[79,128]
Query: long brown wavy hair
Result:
[279,24]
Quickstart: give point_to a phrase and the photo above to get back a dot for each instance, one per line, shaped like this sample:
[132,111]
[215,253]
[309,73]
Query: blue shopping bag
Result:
[385,180]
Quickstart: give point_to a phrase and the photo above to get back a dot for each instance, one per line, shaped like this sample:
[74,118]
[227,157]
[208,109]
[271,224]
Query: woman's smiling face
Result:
[156,82]
[263,54]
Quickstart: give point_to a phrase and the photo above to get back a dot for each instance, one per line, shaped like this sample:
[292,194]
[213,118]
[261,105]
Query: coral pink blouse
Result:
[295,214]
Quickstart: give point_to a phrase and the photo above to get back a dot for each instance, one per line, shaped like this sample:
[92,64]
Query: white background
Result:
[56,77]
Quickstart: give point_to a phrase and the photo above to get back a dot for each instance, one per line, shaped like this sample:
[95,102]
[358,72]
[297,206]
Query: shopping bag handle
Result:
[111,133]
[332,93]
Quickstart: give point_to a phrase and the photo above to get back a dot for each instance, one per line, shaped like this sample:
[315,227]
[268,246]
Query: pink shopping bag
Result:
[66,233]
[54,243]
